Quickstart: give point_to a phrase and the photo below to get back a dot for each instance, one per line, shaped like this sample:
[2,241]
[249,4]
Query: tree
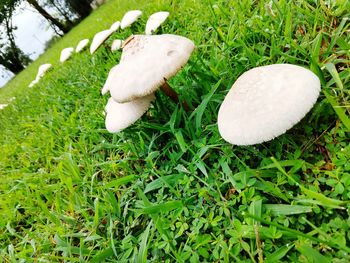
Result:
[81,7]
[64,28]
[11,56]
[63,11]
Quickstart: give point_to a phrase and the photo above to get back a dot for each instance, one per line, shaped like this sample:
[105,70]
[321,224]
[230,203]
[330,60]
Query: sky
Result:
[32,33]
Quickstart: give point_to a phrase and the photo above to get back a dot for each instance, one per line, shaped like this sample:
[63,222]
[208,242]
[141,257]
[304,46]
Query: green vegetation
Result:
[169,189]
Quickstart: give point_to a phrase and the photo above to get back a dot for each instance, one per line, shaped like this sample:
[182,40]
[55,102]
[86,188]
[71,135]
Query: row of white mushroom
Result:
[154,22]
[262,104]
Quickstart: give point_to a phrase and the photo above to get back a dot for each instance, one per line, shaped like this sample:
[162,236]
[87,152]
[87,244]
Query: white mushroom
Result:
[121,115]
[146,63]
[98,39]
[81,45]
[129,18]
[66,53]
[115,26]
[265,102]
[154,21]
[41,72]
[3,106]
[116,45]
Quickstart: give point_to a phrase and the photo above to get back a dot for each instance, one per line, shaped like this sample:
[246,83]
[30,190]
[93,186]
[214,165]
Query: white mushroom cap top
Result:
[265,102]
[81,45]
[154,21]
[122,115]
[129,18]
[115,26]
[98,39]
[116,45]
[66,53]
[146,63]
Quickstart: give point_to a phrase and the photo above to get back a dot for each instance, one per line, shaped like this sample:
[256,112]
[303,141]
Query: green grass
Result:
[169,189]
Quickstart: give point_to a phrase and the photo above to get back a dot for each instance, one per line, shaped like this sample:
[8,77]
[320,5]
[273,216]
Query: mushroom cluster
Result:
[154,60]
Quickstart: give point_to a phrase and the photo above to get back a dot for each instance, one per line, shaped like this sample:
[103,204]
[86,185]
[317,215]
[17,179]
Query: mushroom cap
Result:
[42,70]
[154,21]
[129,18]
[146,63]
[122,115]
[265,102]
[66,53]
[98,39]
[115,26]
[81,45]
[116,45]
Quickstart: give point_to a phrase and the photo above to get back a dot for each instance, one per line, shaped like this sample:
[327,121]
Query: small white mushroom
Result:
[154,21]
[129,18]
[146,63]
[41,72]
[66,53]
[98,39]
[3,106]
[116,45]
[265,102]
[115,26]
[121,115]
[81,45]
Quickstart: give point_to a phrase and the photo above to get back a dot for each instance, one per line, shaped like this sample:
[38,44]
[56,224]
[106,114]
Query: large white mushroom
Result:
[81,45]
[66,53]
[265,102]
[116,44]
[115,26]
[122,115]
[129,18]
[99,38]
[154,21]
[146,63]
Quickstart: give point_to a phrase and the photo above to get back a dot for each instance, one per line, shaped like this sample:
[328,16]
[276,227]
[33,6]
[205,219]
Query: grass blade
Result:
[280,209]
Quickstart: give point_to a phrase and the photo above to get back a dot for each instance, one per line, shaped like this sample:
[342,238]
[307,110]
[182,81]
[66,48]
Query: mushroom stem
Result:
[171,93]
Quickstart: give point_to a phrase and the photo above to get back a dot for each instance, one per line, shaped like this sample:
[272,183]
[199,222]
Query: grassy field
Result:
[169,189]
